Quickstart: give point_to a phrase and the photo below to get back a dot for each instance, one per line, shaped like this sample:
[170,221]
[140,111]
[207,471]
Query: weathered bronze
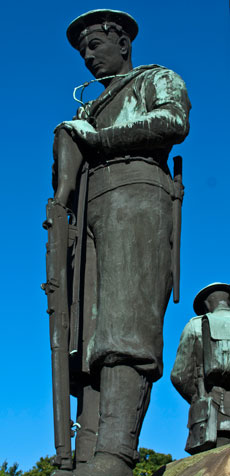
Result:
[201,372]
[177,202]
[59,243]
[110,169]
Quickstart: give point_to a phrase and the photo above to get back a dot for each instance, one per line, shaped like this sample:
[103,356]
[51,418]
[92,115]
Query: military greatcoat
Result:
[128,268]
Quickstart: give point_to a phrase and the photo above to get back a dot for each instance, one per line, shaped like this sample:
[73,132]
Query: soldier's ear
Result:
[207,306]
[124,43]
[229,300]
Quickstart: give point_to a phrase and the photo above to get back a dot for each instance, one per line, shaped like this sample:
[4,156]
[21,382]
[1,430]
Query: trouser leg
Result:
[87,386]
[132,229]
[124,400]
[87,417]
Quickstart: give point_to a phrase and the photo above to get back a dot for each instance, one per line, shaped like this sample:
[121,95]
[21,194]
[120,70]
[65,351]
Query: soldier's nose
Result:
[89,60]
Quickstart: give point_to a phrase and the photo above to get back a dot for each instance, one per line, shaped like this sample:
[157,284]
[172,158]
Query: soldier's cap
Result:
[198,304]
[102,20]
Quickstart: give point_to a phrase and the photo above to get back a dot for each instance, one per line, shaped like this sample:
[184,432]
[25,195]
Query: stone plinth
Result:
[215,462]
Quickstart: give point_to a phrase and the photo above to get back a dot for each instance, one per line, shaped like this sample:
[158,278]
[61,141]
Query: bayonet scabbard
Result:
[177,203]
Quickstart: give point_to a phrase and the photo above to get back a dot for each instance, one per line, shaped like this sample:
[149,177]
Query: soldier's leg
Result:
[125,395]
[69,160]
[87,417]
[132,229]
[88,386]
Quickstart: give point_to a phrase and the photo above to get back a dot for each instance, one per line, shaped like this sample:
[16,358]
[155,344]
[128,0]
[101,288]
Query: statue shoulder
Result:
[162,82]
[193,327]
[156,71]
[150,72]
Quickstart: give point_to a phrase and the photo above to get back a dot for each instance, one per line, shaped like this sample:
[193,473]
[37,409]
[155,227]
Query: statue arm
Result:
[183,375]
[163,124]
[67,163]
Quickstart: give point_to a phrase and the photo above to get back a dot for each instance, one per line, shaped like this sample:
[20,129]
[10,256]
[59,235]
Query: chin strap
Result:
[87,83]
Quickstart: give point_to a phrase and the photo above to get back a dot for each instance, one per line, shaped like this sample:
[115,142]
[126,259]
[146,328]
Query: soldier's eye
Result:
[93,44]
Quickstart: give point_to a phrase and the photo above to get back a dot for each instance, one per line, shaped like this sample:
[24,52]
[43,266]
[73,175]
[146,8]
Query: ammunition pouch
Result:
[202,424]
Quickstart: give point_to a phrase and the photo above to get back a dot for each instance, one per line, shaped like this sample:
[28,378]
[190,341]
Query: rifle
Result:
[60,235]
[177,203]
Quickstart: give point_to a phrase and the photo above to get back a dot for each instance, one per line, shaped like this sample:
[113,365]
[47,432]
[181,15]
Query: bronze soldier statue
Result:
[111,170]
[201,372]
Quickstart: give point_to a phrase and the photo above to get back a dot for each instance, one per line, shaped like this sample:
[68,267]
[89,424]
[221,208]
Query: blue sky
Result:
[39,72]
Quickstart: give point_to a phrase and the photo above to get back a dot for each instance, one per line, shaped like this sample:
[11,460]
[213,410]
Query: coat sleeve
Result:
[183,375]
[164,122]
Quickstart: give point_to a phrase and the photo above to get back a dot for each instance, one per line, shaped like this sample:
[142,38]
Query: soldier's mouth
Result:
[96,66]
[97,69]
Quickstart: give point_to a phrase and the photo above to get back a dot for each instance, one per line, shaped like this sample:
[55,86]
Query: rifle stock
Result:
[58,310]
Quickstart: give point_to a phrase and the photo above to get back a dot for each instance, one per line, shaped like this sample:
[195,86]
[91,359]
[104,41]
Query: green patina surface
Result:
[94,312]
[188,466]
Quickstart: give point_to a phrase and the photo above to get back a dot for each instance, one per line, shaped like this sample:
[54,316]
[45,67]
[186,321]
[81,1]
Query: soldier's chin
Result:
[99,72]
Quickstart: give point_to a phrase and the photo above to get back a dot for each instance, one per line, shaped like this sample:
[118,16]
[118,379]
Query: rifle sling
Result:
[75,307]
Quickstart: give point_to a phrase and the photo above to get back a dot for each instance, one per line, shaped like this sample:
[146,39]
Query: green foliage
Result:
[150,461]
[42,468]
[11,471]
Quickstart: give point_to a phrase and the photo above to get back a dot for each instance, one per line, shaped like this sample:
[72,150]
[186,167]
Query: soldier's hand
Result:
[80,128]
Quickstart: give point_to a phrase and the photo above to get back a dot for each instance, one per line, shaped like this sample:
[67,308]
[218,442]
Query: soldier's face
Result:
[102,54]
